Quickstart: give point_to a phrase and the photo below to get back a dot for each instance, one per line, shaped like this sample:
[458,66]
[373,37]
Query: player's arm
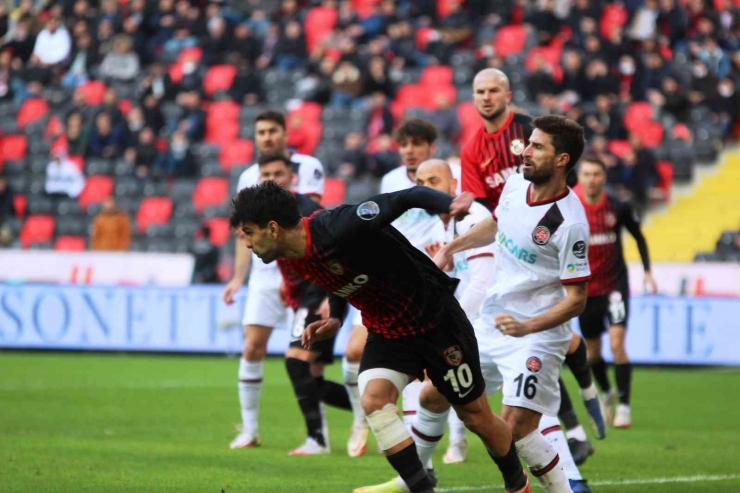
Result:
[480,266]
[471,178]
[324,329]
[631,221]
[570,307]
[480,235]
[242,260]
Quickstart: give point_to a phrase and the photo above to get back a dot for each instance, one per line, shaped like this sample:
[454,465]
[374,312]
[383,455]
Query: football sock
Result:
[427,429]
[543,462]
[598,367]
[350,371]
[250,385]
[411,402]
[408,466]
[550,429]
[624,382]
[566,412]
[333,393]
[306,392]
[578,364]
[457,427]
[511,469]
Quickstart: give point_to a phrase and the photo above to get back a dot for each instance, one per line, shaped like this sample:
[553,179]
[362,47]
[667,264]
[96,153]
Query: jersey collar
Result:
[503,128]
[557,197]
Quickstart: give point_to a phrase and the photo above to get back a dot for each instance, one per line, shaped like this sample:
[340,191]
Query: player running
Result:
[540,283]
[415,323]
[263,310]
[608,292]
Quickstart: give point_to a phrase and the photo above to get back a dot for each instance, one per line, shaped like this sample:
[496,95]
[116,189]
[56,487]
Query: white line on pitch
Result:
[626,482]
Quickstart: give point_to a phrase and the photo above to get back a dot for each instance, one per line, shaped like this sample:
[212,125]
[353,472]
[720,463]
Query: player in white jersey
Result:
[540,283]
[264,309]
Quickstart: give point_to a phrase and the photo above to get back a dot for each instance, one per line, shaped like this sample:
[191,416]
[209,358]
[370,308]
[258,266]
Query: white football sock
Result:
[543,462]
[589,392]
[427,429]
[551,429]
[457,427]
[250,385]
[411,402]
[578,433]
[350,371]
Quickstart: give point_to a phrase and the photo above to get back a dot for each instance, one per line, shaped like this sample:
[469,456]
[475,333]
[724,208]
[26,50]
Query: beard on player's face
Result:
[494,114]
[539,174]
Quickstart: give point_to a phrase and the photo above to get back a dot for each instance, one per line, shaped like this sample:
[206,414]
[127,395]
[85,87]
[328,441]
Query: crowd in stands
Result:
[145,99]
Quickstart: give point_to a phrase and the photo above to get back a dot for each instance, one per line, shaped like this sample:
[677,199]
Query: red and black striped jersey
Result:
[488,159]
[353,252]
[605,221]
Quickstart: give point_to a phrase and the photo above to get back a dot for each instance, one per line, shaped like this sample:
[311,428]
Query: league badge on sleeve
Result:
[579,249]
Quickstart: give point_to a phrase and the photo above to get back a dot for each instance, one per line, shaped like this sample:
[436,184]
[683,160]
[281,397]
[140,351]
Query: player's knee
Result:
[374,401]
[521,424]
[387,427]
[254,352]
[620,354]
[353,354]
[431,400]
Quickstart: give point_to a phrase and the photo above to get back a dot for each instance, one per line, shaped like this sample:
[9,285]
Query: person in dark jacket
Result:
[207,257]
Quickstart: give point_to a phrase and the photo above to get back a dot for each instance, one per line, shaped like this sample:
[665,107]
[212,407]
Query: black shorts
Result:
[606,310]
[303,317]
[448,352]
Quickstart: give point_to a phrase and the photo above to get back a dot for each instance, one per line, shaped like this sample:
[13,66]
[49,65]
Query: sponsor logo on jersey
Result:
[520,253]
[610,219]
[453,355]
[354,286]
[579,249]
[335,267]
[571,268]
[541,235]
[517,147]
[368,210]
[604,238]
[578,266]
[534,364]
[499,177]
[485,163]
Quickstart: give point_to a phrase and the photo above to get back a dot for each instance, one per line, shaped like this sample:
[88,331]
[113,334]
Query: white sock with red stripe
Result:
[350,371]
[543,462]
[427,430]
[550,429]
[411,402]
[457,427]
[250,385]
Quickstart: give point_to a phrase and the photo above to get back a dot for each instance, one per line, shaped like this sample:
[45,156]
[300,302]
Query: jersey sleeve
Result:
[248,178]
[311,177]
[472,180]
[629,218]
[386,183]
[573,254]
[477,214]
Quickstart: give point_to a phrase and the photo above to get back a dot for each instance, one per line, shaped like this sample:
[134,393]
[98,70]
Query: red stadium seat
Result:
[311,112]
[32,110]
[681,131]
[19,204]
[37,229]
[13,148]
[444,7]
[638,114]
[153,210]
[423,36]
[175,72]
[70,244]
[218,78]
[210,191]
[613,16]
[54,128]
[550,54]
[238,152]
[221,133]
[220,230]
[78,161]
[436,75]
[510,40]
[97,189]
[665,181]
[125,106]
[94,90]
[189,54]
[619,148]
[318,25]
[470,122]
[651,135]
[219,111]
[364,8]
[334,190]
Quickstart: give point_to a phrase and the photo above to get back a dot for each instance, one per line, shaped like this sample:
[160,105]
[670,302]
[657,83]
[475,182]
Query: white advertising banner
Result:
[698,279]
[96,268]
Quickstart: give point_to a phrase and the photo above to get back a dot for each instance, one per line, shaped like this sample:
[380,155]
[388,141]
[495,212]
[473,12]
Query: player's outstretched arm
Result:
[242,260]
[632,222]
[480,235]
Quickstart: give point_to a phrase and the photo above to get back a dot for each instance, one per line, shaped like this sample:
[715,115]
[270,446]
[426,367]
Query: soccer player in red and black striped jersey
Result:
[495,152]
[408,305]
[608,291]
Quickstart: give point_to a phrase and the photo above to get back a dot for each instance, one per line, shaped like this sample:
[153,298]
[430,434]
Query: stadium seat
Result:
[78,161]
[665,180]
[444,7]
[210,191]
[619,148]
[54,127]
[423,36]
[436,75]
[12,148]
[651,135]
[219,111]
[318,25]
[510,40]
[220,230]
[364,8]
[175,72]
[19,204]
[311,112]
[37,229]
[97,189]
[31,111]
[94,90]
[221,133]
[334,191]
[70,244]
[189,54]
[218,78]
[637,115]
[470,122]
[153,210]
[236,153]
[550,54]
[125,106]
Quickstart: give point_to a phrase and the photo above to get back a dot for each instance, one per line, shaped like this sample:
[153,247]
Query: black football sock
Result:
[511,469]
[598,367]
[408,466]
[307,393]
[333,393]
[578,364]
[624,382]
[566,413]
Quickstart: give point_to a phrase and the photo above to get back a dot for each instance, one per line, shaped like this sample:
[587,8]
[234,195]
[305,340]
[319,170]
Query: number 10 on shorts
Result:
[460,377]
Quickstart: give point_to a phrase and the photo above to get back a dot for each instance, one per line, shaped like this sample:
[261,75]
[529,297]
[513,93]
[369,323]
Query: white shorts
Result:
[264,308]
[357,319]
[528,368]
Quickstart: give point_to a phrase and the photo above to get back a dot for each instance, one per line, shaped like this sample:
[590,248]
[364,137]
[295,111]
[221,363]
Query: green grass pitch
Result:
[133,423]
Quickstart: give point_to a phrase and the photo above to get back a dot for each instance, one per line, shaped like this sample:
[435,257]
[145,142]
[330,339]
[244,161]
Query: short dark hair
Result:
[416,128]
[594,160]
[263,203]
[271,157]
[274,116]
[567,136]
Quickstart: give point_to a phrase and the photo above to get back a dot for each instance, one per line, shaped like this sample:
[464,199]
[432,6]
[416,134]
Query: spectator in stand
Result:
[53,44]
[4,20]
[192,78]
[63,178]
[110,106]
[355,162]
[599,81]
[346,85]
[445,118]
[672,22]
[247,87]
[181,39]
[6,75]
[84,60]
[135,123]
[76,134]
[207,257]
[573,83]
[703,83]
[671,99]
[403,45]
[7,205]
[606,120]
[193,119]
[7,238]
[178,160]
[545,22]
[111,229]
[131,28]
[380,118]
[290,50]
[121,64]
[316,85]
[21,40]
[540,80]
[614,167]
[152,114]
[377,79]
[106,139]
[35,77]
[725,105]
[216,43]
[245,44]
[639,173]
[385,157]
[158,83]
[79,105]
[143,155]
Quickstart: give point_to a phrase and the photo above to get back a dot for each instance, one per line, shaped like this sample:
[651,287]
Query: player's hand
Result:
[281,295]
[510,326]
[323,310]
[650,285]
[320,330]
[443,258]
[461,205]
[230,290]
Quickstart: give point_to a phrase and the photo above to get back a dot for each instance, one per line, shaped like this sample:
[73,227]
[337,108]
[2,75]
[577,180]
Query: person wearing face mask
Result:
[725,105]
[703,82]
[177,160]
